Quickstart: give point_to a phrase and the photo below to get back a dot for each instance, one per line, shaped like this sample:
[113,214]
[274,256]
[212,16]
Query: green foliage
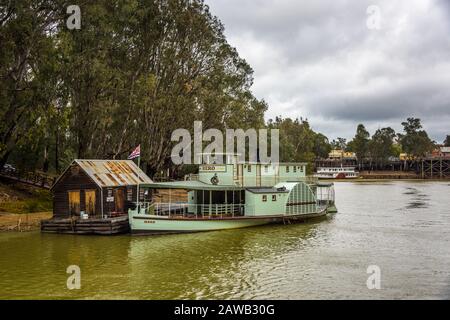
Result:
[360,143]
[134,72]
[381,145]
[396,149]
[447,141]
[298,142]
[415,141]
[28,69]
[39,201]
[322,146]
[339,143]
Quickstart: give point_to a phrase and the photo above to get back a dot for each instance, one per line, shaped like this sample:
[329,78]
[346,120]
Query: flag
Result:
[136,153]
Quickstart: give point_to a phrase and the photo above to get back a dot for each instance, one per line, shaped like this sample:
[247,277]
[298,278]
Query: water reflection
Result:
[418,200]
[214,264]
[326,259]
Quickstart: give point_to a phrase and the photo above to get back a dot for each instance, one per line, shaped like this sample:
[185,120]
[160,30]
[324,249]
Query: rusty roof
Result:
[112,173]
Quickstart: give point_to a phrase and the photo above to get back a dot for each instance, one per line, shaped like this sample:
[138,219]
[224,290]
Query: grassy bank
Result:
[22,222]
[23,207]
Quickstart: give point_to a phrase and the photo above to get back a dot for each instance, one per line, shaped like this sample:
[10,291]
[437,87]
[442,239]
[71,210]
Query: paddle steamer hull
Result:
[148,224]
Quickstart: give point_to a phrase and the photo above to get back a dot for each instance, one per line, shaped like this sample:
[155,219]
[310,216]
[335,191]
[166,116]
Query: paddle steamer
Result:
[231,195]
[337,173]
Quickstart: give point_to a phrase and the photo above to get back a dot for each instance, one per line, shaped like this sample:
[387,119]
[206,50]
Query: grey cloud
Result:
[317,59]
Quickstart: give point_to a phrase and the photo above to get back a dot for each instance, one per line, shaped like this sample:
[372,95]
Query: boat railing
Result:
[325,195]
[183,209]
[273,180]
[260,181]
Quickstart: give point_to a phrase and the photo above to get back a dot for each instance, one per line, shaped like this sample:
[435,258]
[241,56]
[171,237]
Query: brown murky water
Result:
[402,227]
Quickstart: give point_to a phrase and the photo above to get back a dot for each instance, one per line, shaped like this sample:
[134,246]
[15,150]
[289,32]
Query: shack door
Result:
[119,199]
[74,202]
[90,202]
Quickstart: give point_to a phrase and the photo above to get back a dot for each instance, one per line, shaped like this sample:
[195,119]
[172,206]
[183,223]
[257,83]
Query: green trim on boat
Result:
[190,185]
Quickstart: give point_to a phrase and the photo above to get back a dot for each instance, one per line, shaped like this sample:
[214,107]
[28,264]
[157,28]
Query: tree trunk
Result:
[56,151]
[45,165]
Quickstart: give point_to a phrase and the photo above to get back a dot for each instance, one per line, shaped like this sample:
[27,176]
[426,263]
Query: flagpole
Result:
[139,166]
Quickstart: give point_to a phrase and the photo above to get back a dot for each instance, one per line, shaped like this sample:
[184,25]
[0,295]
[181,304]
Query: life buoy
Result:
[215,179]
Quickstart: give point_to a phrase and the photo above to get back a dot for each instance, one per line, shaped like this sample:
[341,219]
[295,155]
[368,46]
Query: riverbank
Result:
[22,221]
[388,175]
[373,176]
[22,207]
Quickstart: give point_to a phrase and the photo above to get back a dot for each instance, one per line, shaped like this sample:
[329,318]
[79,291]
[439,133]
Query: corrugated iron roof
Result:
[112,173]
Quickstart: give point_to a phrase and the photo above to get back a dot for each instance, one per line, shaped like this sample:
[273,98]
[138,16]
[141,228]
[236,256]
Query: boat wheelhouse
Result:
[336,173]
[232,195]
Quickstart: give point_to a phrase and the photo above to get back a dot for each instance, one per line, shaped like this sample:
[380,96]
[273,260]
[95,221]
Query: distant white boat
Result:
[336,173]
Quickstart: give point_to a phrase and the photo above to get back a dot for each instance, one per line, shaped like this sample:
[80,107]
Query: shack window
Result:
[130,194]
[74,202]
[274,197]
[264,198]
[90,201]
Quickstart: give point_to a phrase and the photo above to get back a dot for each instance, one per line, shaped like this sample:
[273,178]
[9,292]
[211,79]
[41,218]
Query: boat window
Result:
[264,198]
[274,197]
[295,169]
[287,169]
[249,168]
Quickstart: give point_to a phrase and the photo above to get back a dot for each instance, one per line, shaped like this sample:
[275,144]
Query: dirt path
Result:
[22,222]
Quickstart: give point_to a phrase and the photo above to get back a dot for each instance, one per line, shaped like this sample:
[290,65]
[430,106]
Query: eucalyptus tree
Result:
[135,71]
[298,142]
[360,143]
[447,141]
[28,70]
[415,141]
[381,146]
[322,146]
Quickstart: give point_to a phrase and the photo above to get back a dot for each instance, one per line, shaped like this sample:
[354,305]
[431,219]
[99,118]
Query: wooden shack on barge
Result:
[93,197]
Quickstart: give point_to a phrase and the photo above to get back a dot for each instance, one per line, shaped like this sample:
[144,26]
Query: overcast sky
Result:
[327,61]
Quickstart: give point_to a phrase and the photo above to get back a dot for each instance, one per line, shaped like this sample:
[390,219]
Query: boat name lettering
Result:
[215,168]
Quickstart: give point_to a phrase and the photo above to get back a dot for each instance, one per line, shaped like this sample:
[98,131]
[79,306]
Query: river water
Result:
[401,227]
